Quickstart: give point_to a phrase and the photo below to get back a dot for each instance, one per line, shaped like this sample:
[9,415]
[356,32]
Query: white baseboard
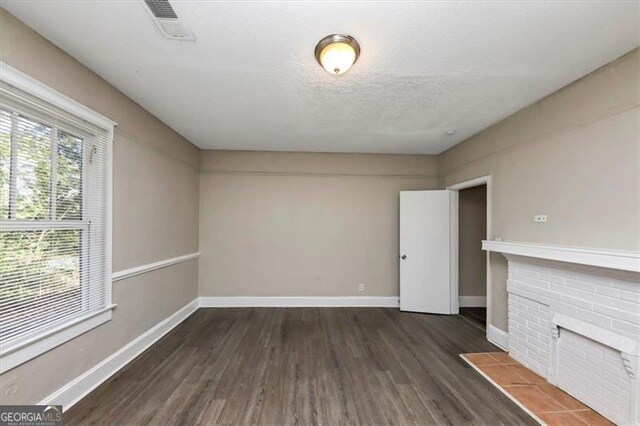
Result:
[498,337]
[296,302]
[75,390]
[473,301]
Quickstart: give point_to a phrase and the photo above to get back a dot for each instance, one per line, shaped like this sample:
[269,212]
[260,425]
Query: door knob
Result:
[403,257]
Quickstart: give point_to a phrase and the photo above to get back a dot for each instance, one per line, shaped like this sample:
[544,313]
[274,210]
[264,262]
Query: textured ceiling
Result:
[250,80]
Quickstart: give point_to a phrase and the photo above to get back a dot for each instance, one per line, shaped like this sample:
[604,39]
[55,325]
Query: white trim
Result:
[78,388]
[13,174]
[488,181]
[498,337]
[601,335]
[27,224]
[53,192]
[482,180]
[614,259]
[296,302]
[109,218]
[36,88]
[454,272]
[501,389]
[13,356]
[473,302]
[132,272]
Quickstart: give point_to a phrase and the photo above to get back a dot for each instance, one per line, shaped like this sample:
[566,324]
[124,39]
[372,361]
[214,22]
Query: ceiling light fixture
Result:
[337,53]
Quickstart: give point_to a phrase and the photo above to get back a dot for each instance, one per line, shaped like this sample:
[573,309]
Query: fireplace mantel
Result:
[612,259]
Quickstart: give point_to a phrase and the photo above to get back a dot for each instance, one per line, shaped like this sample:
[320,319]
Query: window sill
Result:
[13,356]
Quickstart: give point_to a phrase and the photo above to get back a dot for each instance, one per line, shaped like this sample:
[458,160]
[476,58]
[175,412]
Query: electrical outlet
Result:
[361,287]
[540,218]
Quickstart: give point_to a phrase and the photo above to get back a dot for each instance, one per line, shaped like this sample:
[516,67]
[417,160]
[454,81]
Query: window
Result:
[55,272]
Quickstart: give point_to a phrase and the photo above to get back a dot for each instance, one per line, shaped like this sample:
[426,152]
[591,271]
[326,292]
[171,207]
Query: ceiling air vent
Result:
[167,20]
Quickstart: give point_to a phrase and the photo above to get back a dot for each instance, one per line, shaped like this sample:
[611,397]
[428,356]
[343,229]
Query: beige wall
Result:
[472,227]
[573,156]
[155,215]
[301,224]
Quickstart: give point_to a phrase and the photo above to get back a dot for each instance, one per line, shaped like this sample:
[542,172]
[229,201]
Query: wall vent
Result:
[167,20]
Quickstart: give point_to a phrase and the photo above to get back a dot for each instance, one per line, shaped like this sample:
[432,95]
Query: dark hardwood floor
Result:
[277,366]
[477,315]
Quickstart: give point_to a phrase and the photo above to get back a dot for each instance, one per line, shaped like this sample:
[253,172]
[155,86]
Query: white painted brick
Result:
[555,279]
[631,317]
[529,317]
[580,285]
[576,301]
[626,327]
[524,273]
[630,296]
[528,302]
[565,273]
[595,373]
[561,289]
[606,310]
[593,317]
[594,297]
[592,358]
[628,306]
[609,291]
[540,329]
[593,278]
[534,282]
[542,347]
[626,285]
[610,393]
[530,266]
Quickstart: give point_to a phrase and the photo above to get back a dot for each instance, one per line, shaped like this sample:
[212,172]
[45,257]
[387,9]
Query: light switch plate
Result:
[540,218]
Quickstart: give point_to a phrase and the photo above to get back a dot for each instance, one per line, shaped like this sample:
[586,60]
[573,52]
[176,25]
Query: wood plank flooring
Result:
[478,315]
[278,366]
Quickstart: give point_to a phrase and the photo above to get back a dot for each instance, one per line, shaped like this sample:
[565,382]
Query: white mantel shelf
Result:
[613,259]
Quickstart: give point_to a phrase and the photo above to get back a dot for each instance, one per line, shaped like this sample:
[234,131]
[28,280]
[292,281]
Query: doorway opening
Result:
[472,260]
[472,216]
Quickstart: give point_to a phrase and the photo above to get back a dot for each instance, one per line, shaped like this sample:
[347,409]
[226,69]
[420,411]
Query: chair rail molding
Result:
[143,269]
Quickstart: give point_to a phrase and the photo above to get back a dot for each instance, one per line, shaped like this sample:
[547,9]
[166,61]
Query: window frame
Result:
[24,350]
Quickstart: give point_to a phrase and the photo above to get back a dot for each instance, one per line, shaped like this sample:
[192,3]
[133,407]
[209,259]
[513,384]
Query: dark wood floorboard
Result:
[478,315]
[279,366]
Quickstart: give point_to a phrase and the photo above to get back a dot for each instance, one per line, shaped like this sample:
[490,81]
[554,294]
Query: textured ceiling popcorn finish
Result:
[250,81]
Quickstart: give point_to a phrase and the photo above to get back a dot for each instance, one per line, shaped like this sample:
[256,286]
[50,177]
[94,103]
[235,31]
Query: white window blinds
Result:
[54,227]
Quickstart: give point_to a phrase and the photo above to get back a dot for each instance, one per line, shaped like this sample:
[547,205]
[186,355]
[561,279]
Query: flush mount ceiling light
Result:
[337,53]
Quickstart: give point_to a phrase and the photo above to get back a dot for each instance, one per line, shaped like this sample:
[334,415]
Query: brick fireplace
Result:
[574,318]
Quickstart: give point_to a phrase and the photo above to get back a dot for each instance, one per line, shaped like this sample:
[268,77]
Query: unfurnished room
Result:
[319,212]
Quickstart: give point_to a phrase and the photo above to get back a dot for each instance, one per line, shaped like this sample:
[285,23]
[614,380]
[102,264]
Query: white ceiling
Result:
[250,80]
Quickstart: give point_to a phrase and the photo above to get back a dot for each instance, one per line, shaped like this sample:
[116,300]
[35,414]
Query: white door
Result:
[425,252]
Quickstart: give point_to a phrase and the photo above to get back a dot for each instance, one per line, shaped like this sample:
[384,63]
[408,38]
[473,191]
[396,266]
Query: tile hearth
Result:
[549,404]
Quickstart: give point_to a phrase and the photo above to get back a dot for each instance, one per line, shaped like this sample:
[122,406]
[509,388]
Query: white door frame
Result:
[483,180]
